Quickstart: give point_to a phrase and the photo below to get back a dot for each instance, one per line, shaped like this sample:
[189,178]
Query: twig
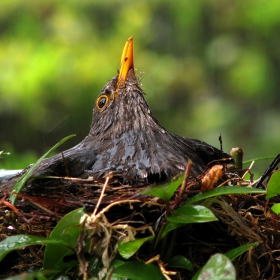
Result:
[250,167]
[65,164]
[11,206]
[108,177]
[269,170]
[184,184]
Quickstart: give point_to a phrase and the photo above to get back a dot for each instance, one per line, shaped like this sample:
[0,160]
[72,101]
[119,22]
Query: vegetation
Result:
[208,67]
[121,235]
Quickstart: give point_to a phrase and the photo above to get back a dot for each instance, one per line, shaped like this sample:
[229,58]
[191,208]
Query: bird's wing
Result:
[73,162]
[208,153]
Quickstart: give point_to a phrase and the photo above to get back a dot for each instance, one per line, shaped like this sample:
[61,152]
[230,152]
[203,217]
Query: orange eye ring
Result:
[102,102]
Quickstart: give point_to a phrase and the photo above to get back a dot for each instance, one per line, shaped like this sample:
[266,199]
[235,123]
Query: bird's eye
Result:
[102,102]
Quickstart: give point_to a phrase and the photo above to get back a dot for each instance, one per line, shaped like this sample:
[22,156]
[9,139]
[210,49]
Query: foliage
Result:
[273,187]
[219,267]
[209,66]
[65,241]
[76,233]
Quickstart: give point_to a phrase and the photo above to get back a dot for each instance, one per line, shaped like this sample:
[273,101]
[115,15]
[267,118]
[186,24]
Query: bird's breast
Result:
[139,155]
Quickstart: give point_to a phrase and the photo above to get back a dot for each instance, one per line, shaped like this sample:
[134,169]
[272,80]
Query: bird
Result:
[126,138]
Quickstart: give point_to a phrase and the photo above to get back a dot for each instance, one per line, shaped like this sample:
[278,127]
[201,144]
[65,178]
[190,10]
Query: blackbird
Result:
[126,138]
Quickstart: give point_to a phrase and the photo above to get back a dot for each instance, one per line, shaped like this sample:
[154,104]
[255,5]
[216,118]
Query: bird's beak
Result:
[127,63]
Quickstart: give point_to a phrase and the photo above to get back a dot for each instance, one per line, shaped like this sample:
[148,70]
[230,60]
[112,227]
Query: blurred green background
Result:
[207,67]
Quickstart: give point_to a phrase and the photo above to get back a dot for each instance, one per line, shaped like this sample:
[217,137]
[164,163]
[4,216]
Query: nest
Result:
[119,211]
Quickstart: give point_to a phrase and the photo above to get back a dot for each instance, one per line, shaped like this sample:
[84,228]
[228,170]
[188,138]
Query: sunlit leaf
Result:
[273,186]
[219,267]
[15,242]
[234,253]
[181,262]
[165,191]
[276,208]
[128,249]
[68,230]
[135,270]
[223,191]
[25,177]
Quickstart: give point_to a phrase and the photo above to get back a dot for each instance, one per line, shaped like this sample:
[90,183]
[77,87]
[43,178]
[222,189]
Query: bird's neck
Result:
[129,114]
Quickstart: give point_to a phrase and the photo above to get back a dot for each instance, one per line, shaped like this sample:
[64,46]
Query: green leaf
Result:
[135,270]
[169,227]
[16,242]
[181,262]
[128,249]
[115,263]
[25,177]
[188,214]
[165,191]
[276,208]
[273,186]
[67,230]
[257,159]
[234,253]
[219,267]
[224,190]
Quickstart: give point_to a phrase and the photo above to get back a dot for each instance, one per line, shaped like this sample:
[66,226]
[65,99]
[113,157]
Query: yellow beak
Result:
[127,62]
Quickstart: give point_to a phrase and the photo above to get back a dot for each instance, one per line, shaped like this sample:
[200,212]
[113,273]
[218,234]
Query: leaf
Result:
[128,249]
[25,177]
[222,191]
[276,208]
[257,159]
[135,270]
[273,186]
[165,191]
[181,262]
[219,267]
[67,230]
[16,242]
[234,253]
[169,227]
[188,214]
[115,263]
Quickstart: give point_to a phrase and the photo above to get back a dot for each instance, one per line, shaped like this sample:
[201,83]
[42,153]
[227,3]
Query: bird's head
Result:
[121,103]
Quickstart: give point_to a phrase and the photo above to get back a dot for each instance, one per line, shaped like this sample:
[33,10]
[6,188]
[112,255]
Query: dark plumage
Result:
[126,137]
